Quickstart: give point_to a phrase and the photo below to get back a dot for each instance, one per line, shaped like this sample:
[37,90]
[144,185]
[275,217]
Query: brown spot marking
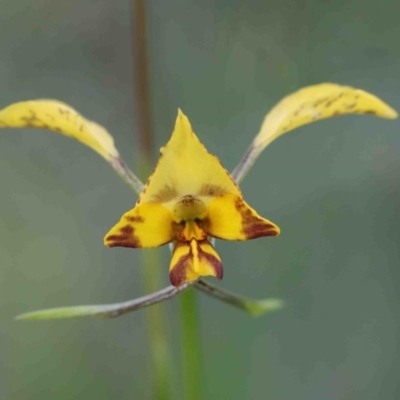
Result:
[203,224]
[127,230]
[320,101]
[176,228]
[340,96]
[144,190]
[50,116]
[179,230]
[177,275]
[371,112]
[334,100]
[252,226]
[329,103]
[284,128]
[136,218]
[31,119]
[126,238]
[63,111]
[350,106]
[298,111]
[213,261]
[56,128]
[188,200]
[167,193]
[209,189]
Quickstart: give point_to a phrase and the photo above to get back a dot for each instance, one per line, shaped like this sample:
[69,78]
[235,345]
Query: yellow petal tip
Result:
[182,122]
[391,113]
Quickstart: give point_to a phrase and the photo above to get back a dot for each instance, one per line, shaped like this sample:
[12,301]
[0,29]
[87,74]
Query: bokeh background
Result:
[332,187]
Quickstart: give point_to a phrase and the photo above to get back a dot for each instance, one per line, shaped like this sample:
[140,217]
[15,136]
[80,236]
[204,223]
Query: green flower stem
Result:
[160,353]
[156,326]
[254,307]
[127,175]
[192,371]
[105,310]
[156,322]
[244,164]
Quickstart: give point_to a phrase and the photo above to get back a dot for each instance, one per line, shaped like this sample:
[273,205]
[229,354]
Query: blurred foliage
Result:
[332,187]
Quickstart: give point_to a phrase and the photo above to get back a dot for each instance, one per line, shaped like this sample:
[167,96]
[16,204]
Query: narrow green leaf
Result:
[253,307]
[66,312]
[106,310]
[260,307]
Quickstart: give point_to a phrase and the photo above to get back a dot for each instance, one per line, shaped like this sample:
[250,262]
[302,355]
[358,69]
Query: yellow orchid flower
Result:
[189,198]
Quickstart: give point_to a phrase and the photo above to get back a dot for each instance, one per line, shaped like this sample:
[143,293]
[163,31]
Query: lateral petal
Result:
[317,102]
[59,117]
[310,104]
[231,218]
[146,225]
[193,259]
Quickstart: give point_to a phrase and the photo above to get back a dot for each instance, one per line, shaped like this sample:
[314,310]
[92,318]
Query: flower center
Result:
[188,211]
[189,208]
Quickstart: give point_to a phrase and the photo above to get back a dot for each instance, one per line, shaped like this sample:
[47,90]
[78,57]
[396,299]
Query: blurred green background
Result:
[332,187]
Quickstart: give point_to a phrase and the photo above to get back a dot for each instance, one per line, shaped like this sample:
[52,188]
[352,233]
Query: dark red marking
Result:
[136,218]
[214,262]
[125,239]
[252,226]
[177,275]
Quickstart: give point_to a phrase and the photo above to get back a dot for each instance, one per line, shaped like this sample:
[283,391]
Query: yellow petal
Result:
[185,167]
[318,102]
[59,117]
[231,218]
[147,225]
[193,259]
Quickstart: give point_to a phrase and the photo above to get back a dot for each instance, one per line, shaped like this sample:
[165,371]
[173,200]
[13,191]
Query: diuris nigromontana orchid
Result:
[190,197]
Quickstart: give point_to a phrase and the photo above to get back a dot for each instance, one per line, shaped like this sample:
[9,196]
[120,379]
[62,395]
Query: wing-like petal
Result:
[231,218]
[59,117]
[146,225]
[317,102]
[310,104]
